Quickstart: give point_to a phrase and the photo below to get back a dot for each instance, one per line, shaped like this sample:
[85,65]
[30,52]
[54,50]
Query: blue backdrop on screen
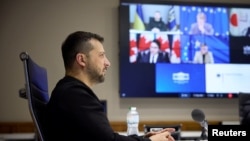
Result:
[172,78]
[217,44]
[216,16]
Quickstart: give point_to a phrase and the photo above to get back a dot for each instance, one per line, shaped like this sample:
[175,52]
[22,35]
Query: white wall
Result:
[40,26]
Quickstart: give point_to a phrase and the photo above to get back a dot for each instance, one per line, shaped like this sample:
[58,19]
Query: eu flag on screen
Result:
[221,22]
[216,16]
[218,45]
[139,21]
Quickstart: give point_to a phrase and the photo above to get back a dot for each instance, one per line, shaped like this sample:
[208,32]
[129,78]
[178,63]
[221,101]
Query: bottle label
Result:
[132,122]
[133,119]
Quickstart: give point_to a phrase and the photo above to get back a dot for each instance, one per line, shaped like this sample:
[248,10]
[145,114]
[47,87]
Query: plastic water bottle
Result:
[132,121]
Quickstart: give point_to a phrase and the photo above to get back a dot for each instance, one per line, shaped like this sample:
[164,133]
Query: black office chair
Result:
[176,135]
[36,92]
[244,108]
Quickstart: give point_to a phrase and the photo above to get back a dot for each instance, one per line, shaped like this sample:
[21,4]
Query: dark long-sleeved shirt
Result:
[75,113]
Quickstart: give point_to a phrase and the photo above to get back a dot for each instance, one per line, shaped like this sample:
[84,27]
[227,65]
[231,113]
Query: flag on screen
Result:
[139,21]
[239,21]
[171,19]
[133,48]
[234,22]
[177,45]
[176,50]
[163,38]
[145,41]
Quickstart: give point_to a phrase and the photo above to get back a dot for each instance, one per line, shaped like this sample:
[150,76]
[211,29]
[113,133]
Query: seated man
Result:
[201,26]
[74,111]
[156,24]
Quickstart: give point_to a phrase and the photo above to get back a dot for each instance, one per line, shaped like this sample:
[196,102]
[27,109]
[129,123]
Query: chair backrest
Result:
[176,135]
[104,105]
[36,90]
[244,108]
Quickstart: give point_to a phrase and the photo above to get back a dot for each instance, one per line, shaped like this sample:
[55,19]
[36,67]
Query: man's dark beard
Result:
[94,75]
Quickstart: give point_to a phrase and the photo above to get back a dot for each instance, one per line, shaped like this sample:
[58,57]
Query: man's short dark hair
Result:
[157,42]
[77,42]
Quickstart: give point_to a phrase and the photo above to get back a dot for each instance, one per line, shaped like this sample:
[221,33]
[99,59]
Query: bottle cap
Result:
[132,108]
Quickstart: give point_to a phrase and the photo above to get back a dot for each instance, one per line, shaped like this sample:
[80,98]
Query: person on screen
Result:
[154,54]
[201,27]
[156,24]
[74,112]
[248,32]
[203,56]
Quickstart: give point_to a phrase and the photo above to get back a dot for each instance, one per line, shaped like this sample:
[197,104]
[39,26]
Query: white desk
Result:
[17,136]
[184,134]
[230,122]
[31,136]
[190,134]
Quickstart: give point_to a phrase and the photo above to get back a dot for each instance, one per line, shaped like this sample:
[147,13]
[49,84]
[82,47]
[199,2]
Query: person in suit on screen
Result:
[203,56]
[74,111]
[154,54]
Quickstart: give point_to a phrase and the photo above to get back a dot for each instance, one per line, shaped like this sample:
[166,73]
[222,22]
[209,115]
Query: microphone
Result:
[199,116]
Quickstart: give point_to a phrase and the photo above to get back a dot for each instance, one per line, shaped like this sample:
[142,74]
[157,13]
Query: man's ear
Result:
[81,59]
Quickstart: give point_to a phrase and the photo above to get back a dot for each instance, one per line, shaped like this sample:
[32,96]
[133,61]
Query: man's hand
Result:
[162,135]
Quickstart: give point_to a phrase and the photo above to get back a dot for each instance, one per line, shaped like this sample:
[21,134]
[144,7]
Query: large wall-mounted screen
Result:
[185,50]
